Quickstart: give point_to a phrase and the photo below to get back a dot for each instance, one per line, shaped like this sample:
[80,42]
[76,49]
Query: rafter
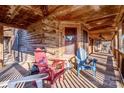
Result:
[53,13]
[103,17]
[44,9]
[104,36]
[57,7]
[84,26]
[13,25]
[102,31]
[14,11]
[35,10]
[120,17]
[100,27]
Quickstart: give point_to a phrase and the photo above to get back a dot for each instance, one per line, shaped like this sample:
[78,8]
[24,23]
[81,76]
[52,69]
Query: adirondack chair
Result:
[40,60]
[81,59]
[55,70]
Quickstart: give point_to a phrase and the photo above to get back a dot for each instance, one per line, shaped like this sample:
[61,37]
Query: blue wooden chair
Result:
[81,59]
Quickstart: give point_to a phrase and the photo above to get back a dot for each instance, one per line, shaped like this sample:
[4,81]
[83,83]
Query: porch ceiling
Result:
[97,19]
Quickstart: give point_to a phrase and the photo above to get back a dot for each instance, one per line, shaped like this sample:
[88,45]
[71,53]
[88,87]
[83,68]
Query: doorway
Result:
[70,40]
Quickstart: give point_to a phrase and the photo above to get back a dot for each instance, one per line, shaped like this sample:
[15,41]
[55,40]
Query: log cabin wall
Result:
[45,33]
[23,51]
[48,33]
[9,40]
[118,48]
[16,46]
[51,33]
[1,46]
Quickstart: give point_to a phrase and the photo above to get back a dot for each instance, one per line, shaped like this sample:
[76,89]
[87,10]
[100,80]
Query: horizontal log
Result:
[50,42]
[13,25]
[44,45]
[50,35]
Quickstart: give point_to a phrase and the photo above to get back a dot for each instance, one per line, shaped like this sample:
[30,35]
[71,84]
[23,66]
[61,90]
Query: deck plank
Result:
[66,84]
[69,82]
[58,84]
[74,80]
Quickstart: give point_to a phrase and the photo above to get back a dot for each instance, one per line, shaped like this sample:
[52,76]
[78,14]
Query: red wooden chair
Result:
[55,70]
[41,60]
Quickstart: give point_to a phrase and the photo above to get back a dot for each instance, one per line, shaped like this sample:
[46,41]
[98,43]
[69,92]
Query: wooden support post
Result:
[92,46]
[1,46]
[118,51]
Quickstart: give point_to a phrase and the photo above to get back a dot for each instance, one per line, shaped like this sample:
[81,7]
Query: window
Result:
[85,40]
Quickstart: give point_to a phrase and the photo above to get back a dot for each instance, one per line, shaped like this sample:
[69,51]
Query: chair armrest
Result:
[51,72]
[33,62]
[94,62]
[52,68]
[58,62]
[41,65]
[89,60]
[77,60]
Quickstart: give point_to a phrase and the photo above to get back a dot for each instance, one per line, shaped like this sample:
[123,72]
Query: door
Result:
[70,40]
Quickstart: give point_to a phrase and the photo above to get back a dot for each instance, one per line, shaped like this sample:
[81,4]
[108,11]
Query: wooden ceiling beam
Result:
[67,10]
[120,17]
[103,17]
[57,7]
[95,37]
[35,10]
[84,26]
[44,9]
[100,27]
[102,31]
[13,25]
[50,14]
[55,11]
[107,33]
[14,11]
[104,37]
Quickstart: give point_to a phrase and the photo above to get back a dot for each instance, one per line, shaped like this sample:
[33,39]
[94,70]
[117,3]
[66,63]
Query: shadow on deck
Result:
[106,76]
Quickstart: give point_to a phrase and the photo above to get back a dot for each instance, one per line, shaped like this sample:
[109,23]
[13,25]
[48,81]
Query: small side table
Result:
[69,66]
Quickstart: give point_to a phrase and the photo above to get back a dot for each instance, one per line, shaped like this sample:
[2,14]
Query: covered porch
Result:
[62,30]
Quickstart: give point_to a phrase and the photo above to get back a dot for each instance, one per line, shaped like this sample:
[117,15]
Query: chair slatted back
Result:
[40,57]
[82,54]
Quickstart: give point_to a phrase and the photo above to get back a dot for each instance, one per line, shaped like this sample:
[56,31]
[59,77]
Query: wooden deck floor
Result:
[107,75]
